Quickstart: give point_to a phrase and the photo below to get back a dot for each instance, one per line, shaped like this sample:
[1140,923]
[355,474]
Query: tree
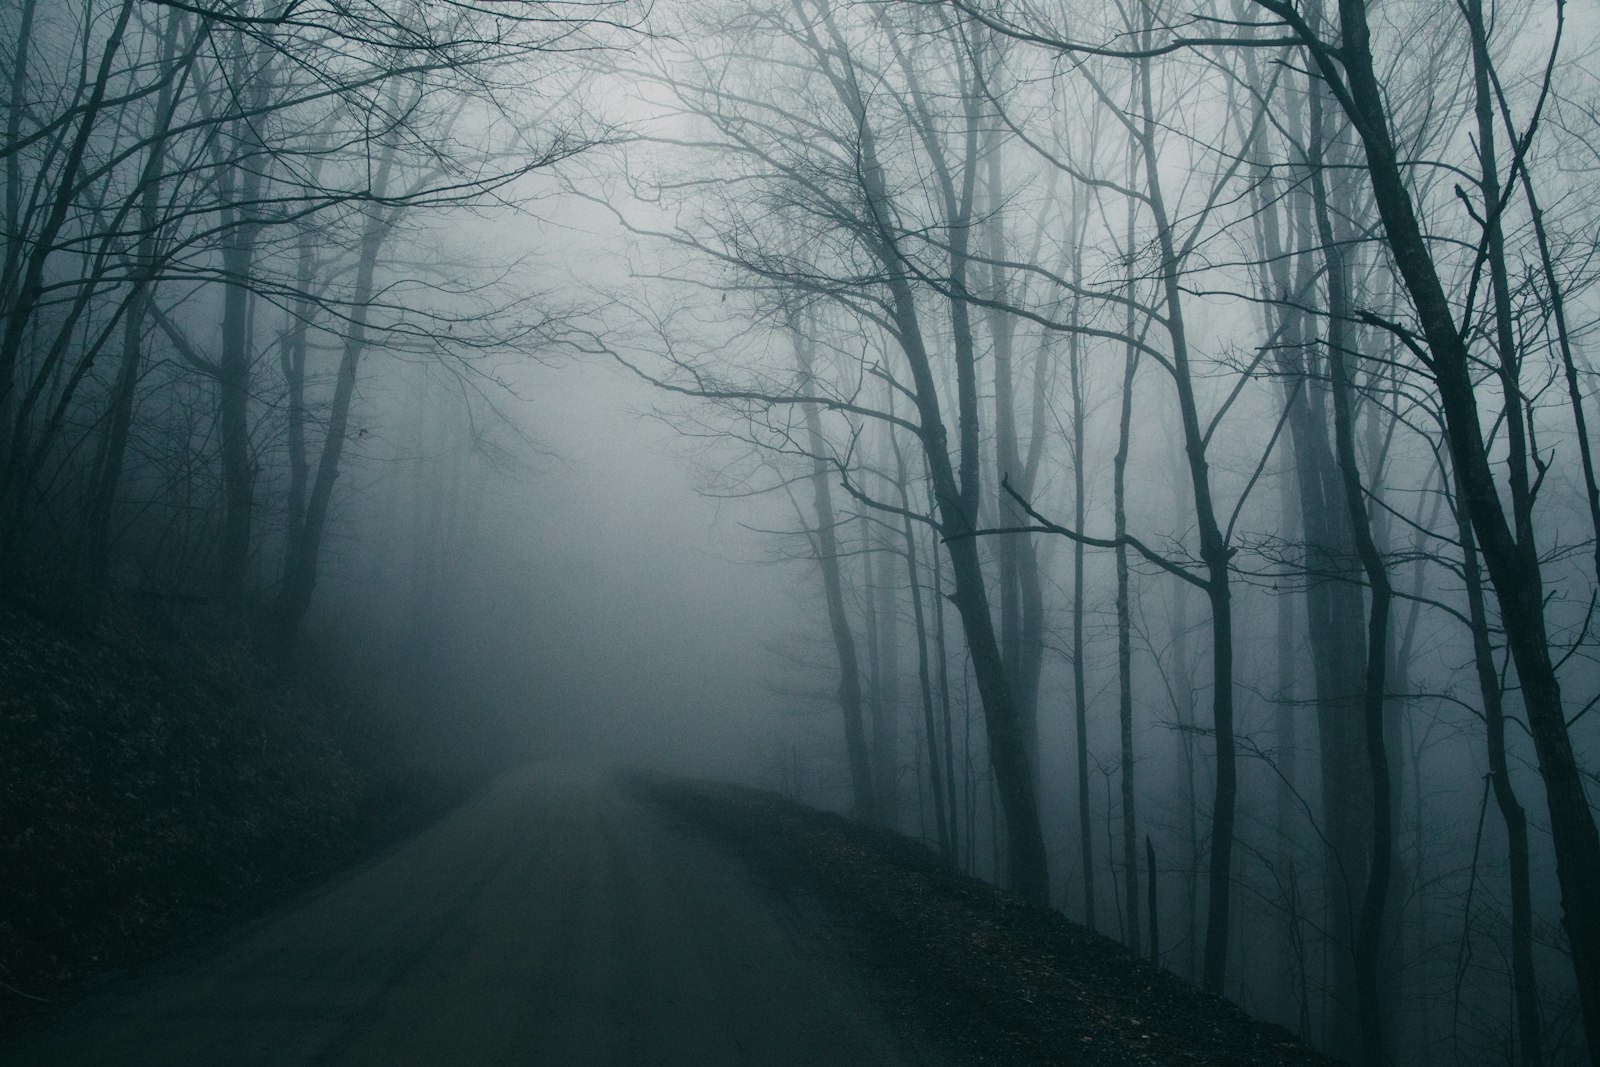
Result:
[863,795]
[828,157]
[1448,322]
[1508,544]
[1146,184]
[156,187]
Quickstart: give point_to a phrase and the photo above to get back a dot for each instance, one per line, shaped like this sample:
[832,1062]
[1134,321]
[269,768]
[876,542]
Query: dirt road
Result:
[553,919]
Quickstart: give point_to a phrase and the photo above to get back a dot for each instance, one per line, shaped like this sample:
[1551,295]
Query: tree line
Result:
[1184,412]
[213,216]
[1271,318]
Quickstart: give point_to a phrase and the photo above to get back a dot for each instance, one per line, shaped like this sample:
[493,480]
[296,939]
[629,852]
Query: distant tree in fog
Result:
[205,166]
[826,550]
[841,230]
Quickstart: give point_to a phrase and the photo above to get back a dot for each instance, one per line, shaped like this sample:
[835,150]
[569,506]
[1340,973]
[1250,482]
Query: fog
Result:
[601,608]
[1155,436]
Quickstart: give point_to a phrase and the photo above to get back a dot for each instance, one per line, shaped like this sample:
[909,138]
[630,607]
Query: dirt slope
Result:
[995,980]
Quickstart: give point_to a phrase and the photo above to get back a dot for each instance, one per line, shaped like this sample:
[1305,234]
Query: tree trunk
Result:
[1333,599]
[300,570]
[292,351]
[1080,700]
[1027,863]
[1214,555]
[1119,491]
[1016,555]
[942,655]
[863,799]
[936,779]
[1369,935]
[241,192]
[1188,791]
[1530,1038]
[1524,979]
[880,701]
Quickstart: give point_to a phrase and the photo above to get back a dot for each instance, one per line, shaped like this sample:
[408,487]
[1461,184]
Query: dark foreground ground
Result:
[989,979]
[158,784]
[556,917]
[553,918]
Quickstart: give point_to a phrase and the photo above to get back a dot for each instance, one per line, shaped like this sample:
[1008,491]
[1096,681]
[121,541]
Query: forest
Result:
[1170,421]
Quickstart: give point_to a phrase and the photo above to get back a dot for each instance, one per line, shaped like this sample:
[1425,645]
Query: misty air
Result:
[799,532]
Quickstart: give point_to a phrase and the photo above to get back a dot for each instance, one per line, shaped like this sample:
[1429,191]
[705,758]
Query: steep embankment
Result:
[152,789]
[1001,981]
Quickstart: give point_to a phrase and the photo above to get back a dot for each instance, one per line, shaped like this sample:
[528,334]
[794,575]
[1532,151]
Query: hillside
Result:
[155,785]
[998,980]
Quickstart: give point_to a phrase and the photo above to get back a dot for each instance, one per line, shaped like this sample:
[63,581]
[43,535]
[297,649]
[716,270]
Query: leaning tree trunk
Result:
[1025,852]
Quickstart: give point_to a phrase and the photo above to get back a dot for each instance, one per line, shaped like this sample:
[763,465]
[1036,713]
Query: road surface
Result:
[553,919]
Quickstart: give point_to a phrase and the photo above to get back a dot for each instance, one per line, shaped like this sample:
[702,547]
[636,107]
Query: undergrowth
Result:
[154,783]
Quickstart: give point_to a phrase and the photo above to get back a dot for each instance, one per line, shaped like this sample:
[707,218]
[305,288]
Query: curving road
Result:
[553,919]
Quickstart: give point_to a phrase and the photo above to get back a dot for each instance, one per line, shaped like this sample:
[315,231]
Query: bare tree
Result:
[845,186]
